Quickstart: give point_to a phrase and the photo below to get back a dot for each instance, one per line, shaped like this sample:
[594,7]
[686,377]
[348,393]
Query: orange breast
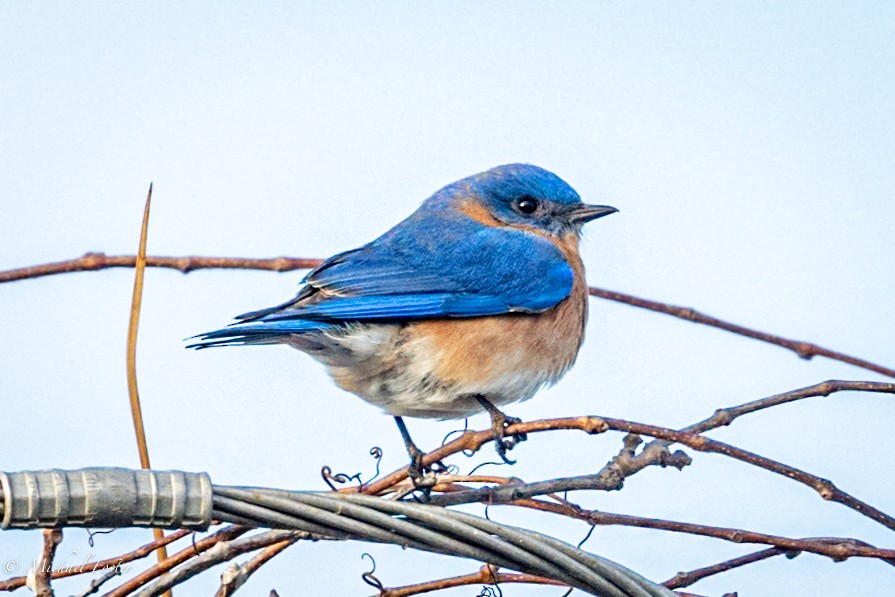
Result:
[482,349]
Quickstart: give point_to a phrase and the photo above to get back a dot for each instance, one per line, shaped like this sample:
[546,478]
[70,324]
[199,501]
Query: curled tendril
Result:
[494,591]
[370,578]
[376,453]
[456,431]
[328,477]
[468,453]
[331,478]
[477,467]
[440,468]
[91,534]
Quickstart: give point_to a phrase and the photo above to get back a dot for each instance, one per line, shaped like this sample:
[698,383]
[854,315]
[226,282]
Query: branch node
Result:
[805,350]
[94,260]
[631,441]
[722,417]
[679,459]
[593,425]
[826,489]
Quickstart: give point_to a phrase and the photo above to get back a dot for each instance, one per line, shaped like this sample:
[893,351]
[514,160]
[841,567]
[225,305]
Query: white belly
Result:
[388,367]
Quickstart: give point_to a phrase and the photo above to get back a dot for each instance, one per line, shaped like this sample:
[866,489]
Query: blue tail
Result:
[261,332]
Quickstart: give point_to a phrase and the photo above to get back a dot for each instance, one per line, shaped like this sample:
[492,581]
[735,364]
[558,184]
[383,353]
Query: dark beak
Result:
[585,213]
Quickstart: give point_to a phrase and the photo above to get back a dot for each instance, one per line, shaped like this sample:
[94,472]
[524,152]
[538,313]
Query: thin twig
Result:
[805,350]
[97,584]
[725,416]
[836,548]
[824,487]
[486,575]
[221,552]
[685,579]
[236,576]
[627,462]
[97,261]
[16,582]
[473,440]
[195,550]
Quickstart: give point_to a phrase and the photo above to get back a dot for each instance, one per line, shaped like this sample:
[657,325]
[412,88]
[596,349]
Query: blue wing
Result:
[419,270]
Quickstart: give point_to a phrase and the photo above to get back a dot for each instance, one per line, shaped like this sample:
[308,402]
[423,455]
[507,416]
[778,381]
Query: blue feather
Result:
[440,262]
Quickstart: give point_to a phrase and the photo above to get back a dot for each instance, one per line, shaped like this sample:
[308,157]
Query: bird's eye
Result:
[527,205]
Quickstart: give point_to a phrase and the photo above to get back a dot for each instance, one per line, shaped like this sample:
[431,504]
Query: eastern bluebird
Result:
[476,300]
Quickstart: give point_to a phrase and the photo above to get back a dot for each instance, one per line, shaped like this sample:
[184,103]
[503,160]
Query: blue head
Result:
[522,196]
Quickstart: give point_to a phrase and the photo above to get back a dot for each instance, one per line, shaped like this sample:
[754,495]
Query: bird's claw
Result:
[424,477]
[502,443]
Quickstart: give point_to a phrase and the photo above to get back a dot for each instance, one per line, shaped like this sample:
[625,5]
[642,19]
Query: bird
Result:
[477,300]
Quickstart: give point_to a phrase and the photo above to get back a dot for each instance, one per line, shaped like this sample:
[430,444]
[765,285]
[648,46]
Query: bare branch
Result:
[685,579]
[805,350]
[473,440]
[222,551]
[236,576]
[224,546]
[824,487]
[487,575]
[726,416]
[11,584]
[98,261]
[195,550]
[656,452]
[836,548]
[97,584]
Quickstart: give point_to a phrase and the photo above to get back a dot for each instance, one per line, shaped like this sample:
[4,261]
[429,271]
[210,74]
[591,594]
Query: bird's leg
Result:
[416,469]
[499,422]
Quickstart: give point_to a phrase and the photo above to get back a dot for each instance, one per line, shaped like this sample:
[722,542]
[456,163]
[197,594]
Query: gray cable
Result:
[440,543]
[599,577]
[120,498]
[437,529]
[387,529]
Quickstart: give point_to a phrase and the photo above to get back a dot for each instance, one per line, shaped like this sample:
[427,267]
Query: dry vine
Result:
[229,542]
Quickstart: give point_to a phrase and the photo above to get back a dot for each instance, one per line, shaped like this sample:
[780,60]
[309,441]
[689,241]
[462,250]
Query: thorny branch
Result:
[98,261]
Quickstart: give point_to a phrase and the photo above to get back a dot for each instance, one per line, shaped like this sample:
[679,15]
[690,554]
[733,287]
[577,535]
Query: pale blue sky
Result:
[750,148]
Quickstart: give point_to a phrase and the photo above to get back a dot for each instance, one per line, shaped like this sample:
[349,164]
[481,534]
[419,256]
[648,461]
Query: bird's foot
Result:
[502,442]
[499,423]
[423,477]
